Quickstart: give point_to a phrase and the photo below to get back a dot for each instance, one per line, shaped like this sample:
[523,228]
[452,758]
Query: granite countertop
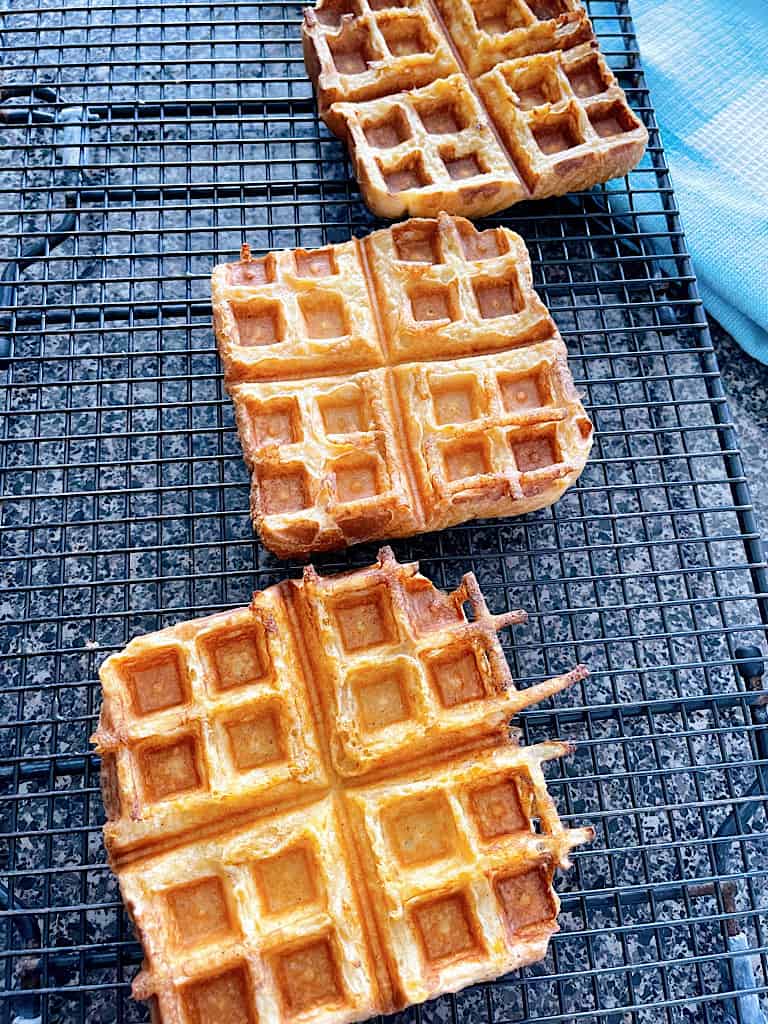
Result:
[746,384]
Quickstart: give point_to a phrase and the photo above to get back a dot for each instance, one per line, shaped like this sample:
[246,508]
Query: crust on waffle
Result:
[444,290]
[486,32]
[486,423]
[201,719]
[526,108]
[362,49]
[411,867]
[428,151]
[455,871]
[517,441]
[578,129]
[335,438]
[447,681]
[285,315]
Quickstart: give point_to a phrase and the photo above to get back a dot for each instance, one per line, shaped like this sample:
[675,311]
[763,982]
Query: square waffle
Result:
[316,808]
[473,412]
[468,106]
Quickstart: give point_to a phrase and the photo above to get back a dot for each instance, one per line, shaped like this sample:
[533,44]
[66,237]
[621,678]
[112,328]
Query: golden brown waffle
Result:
[468,106]
[473,413]
[316,810]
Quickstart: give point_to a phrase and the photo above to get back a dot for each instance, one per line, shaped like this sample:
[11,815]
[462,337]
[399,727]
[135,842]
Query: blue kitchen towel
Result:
[706,64]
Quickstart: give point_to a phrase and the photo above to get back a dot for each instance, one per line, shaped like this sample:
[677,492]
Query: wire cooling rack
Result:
[144,143]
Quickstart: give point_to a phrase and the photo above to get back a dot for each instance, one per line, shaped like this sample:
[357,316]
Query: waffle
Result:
[468,106]
[466,407]
[316,809]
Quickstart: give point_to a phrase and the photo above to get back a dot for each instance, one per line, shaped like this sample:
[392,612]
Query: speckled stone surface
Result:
[746,383]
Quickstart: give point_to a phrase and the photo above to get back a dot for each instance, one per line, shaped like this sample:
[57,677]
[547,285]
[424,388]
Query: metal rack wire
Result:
[144,142]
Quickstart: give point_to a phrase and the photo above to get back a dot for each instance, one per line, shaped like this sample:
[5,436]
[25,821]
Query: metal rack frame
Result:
[143,143]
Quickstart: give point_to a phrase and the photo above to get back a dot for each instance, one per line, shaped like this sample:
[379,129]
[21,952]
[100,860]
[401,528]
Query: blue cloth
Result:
[706,63]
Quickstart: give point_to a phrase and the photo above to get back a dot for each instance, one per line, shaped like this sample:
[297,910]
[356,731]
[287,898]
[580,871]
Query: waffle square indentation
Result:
[309,976]
[446,928]
[237,657]
[497,809]
[456,677]
[223,997]
[365,621]
[170,769]
[157,682]
[526,899]
[199,913]
[382,696]
[421,829]
[256,738]
[288,881]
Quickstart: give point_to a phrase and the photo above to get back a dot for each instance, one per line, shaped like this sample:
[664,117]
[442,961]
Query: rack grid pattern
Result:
[143,142]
